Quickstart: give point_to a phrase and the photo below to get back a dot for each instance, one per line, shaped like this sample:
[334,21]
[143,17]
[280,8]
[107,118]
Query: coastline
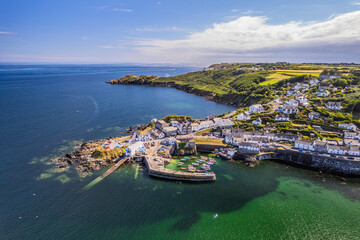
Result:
[234,100]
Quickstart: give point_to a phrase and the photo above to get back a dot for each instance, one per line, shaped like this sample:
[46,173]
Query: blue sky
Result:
[179,32]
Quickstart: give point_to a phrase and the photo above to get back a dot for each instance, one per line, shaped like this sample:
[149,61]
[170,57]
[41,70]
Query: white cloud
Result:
[122,10]
[6,33]
[254,37]
[234,10]
[250,12]
[107,46]
[84,38]
[158,29]
[356,3]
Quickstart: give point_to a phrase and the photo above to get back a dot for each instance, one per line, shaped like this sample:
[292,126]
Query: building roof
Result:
[333,104]
[248,144]
[282,115]
[304,142]
[256,106]
[170,129]
[289,107]
[314,113]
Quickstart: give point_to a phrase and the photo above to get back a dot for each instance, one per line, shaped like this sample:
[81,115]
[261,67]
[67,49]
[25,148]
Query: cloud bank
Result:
[253,38]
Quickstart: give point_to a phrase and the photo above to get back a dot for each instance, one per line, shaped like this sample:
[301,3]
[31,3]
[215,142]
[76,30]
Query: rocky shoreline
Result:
[84,160]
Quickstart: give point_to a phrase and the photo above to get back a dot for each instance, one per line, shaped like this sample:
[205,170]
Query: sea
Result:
[46,110]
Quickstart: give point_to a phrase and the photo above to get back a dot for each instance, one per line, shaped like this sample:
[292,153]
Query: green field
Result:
[236,83]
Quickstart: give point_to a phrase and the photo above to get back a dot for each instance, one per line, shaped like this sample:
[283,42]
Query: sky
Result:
[179,32]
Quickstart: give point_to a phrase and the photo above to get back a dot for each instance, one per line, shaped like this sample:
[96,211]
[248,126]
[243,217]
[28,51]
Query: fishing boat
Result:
[191,168]
[195,164]
[183,168]
[194,157]
[180,164]
[205,167]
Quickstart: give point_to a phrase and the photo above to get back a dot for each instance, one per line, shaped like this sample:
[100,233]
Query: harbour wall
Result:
[334,165]
[208,148]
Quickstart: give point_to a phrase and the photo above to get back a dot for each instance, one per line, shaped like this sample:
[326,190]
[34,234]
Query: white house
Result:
[160,124]
[292,102]
[314,82]
[157,133]
[194,127]
[184,128]
[289,109]
[262,141]
[256,108]
[325,76]
[341,150]
[223,123]
[334,105]
[302,100]
[314,115]
[231,134]
[251,147]
[134,148]
[326,86]
[351,142]
[206,124]
[322,93]
[257,121]
[243,116]
[286,137]
[294,92]
[348,126]
[282,117]
[305,145]
[351,135]
[174,123]
[354,151]
[299,86]
[170,131]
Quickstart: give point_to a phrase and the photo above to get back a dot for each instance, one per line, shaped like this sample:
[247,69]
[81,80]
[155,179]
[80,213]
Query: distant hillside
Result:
[235,84]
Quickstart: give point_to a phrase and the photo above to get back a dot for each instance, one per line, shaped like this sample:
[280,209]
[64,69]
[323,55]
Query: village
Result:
[289,122]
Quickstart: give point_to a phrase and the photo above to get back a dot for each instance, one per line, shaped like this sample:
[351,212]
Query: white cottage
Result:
[348,126]
[256,108]
[243,116]
[305,145]
[257,121]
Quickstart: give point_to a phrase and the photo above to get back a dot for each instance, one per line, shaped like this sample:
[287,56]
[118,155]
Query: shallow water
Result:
[45,108]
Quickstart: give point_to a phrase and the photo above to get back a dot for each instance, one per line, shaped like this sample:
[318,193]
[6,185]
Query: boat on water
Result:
[191,168]
[194,157]
[180,164]
[205,167]
[195,164]
[183,168]
[216,215]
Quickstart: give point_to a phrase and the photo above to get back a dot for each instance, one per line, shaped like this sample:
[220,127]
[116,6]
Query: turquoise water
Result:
[45,108]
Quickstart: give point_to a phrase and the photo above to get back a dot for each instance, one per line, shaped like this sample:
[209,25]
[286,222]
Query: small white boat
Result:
[216,215]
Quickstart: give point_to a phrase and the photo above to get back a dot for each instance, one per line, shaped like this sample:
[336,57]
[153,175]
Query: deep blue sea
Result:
[46,109]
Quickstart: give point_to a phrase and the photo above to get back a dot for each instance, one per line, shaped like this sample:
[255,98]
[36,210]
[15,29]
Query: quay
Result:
[157,169]
[107,173]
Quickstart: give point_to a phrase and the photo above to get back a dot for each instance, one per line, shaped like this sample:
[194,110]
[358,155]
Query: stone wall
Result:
[207,148]
[334,165]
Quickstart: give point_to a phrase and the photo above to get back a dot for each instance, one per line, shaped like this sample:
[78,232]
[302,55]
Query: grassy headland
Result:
[238,84]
